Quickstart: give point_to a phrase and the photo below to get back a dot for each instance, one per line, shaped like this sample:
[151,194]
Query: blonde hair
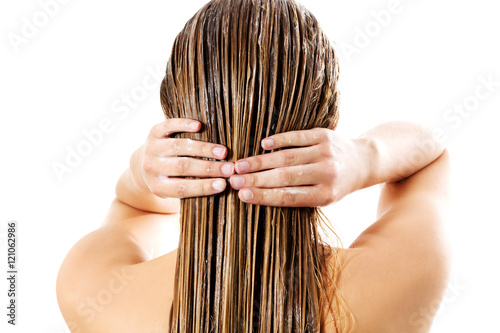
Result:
[248,69]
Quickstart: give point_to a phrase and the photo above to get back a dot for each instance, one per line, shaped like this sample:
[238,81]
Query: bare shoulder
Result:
[108,275]
[400,265]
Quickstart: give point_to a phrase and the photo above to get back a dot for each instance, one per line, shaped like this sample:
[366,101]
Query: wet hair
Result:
[247,69]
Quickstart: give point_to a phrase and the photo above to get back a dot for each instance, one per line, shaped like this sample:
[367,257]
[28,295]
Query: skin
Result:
[399,264]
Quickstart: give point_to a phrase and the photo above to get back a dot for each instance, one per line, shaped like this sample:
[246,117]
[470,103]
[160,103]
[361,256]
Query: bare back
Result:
[396,267]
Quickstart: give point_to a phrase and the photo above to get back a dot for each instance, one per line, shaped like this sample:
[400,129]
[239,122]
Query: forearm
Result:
[133,191]
[395,150]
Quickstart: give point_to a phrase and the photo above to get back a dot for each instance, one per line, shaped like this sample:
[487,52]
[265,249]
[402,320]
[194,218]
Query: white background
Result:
[71,73]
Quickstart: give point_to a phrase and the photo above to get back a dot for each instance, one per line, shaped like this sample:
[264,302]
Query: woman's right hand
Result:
[321,168]
[162,159]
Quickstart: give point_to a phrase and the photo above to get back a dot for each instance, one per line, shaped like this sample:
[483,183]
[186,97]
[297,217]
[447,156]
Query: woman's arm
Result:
[397,150]
[147,194]
[326,166]
[134,232]
[401,262]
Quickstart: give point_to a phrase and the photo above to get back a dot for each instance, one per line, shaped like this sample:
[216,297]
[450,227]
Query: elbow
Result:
[67,298]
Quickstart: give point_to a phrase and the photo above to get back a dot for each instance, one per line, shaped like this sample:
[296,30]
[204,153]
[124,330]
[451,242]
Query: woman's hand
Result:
[163,159]
[322,169]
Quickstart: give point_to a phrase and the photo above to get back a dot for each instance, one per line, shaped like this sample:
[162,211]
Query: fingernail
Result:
[219,152]
[268,143]
[219,185]
[227,169]
[237,182]
[246,195]
[243,166]
[193,126]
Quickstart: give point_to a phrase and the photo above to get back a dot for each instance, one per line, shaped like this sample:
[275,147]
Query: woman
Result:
[250,96]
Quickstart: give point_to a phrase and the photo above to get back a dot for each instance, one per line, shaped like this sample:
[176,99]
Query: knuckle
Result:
[327,195]
[148,149]
[301,137]
[325,201]
[327,150]
[173,146]
[156,189]
[287,198]
[204,188]
[306,199]
[333,197]
[147,166]
[182,165]
[156,128]
[284,176]
[262,196]
[180,190]
[326,135]
[322,131]
[328,173]
[257,162]
[277,138]
[289,158]
[153,188]
[333,168]
[310,199]
[204,148]
[308,172]
[251,180]
[317,134]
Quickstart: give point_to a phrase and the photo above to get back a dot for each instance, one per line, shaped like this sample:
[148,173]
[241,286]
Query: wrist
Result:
[368,155]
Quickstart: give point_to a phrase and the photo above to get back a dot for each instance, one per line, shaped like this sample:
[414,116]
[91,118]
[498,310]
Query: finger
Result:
[296,138]
[187,147]
[308,174]
[190,167]
[175,125]
[302,196]
[278,159]
[187,188]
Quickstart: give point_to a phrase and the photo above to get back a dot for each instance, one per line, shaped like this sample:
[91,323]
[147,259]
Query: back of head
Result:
[248,69]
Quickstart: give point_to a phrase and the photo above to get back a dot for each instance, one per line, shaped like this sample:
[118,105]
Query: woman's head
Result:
[248,69]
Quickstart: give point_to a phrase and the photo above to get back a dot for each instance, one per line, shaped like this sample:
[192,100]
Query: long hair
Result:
[248,69]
